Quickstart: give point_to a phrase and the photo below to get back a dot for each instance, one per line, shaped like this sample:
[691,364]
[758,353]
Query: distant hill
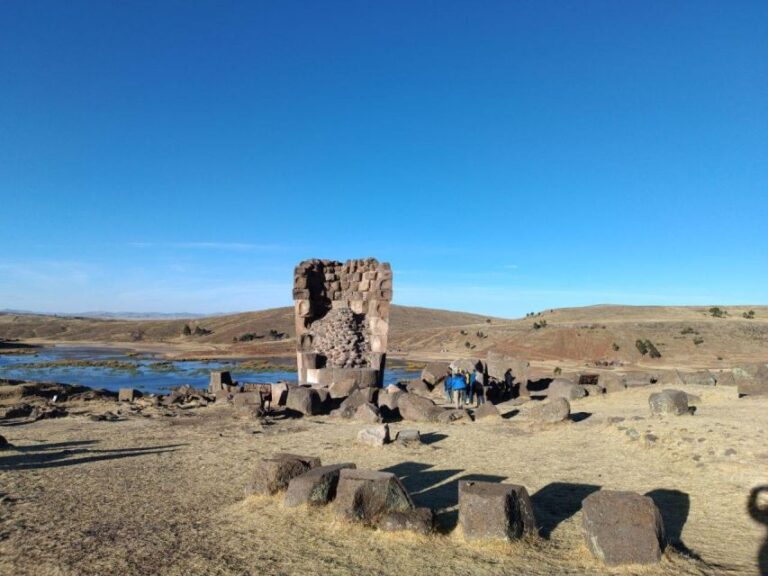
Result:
[684,335]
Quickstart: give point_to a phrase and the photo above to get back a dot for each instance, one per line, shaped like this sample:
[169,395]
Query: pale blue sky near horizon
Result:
[505,157]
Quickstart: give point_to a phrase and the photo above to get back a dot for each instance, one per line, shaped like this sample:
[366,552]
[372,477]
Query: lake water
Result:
[145,373]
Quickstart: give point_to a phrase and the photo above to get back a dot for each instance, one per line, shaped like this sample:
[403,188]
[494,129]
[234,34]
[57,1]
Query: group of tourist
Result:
[462,387]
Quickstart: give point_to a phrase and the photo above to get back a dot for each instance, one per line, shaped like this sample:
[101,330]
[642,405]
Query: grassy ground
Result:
[159,495]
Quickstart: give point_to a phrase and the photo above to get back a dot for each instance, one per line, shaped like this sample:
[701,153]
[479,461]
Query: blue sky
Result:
[505,157]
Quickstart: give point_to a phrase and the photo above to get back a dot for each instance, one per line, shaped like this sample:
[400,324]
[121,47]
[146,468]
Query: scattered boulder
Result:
[408,437]
[700,378]
[593,389]
[419,520]
[279,394]
[105,417]
[611,382]
[367,495]
[17,411]
[635,379]
[668,402]
[465,364]
[751,379]
[551,411]
[447,416]
[487,411]
[358,398]
[367,413]
[220,381]
[622,528]
[491,510]
[389,400]
[435,372]
[273,474]
[128,394]
[46,412]
[304,400]
[417,408]
[376,436]
[564,388]
[418,386]
[315,487]
[342,388]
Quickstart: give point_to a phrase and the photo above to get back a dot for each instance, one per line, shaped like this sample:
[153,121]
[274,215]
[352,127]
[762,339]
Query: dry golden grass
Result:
[158,495]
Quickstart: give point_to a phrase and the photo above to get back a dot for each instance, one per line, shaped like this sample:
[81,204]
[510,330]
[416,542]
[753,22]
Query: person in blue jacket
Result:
[459,386]
[448,385]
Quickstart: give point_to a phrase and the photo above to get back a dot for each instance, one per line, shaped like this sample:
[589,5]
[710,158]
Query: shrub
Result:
[749,315]
[717,312]
[540,324]
[200,331]
[641,347]
[688,330]
[698,340]
[615,347]
[558,370]
[186,331]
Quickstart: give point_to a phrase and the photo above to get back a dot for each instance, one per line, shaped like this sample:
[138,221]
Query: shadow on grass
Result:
[48,455]
[558,501]
[437,489]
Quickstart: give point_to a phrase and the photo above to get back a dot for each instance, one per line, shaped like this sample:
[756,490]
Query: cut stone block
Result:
[304,400]
[273,474]
[366,495]
[128,394]
[220,380]
[419,520]
[622,528]
[315,487]
[490,510]
[408,437]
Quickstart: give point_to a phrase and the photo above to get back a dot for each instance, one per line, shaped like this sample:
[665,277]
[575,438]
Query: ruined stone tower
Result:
[342,321]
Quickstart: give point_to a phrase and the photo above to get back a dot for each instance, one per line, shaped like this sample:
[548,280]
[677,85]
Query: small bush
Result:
[540,324]
[615,347]
[558,370]
[749,315]
[641,347]
[698,340]
[717,312]
[688,330]
[186,331]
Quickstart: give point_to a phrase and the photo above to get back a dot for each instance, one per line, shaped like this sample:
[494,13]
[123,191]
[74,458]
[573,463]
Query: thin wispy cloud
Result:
[220,246]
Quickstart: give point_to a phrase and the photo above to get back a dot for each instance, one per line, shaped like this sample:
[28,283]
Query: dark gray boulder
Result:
[419,520]
[622,528]
[367,495]
[274,474]
[315,487]
[490,510]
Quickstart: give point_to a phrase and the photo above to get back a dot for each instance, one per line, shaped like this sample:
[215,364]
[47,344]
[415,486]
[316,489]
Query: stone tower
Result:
[342,321]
